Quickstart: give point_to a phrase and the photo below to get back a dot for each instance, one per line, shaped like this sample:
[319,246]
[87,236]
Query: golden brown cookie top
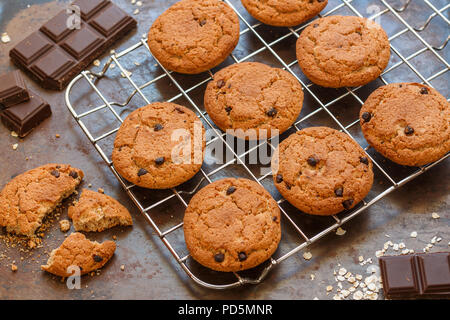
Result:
[339,51]
[145,148]
[193,36]
[95,212]
[284,13]
[30,196]
[232,225]
[77,251]
[407,123]
[252,95]
[321,171]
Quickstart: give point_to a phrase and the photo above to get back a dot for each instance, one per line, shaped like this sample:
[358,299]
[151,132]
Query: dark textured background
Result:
[150,271]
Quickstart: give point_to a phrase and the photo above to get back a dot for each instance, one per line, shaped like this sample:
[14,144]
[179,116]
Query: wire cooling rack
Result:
[164,209]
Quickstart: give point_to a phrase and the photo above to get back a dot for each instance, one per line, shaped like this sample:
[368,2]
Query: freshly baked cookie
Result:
[193,36]
[30,196]
[159,146]
[322,171]
[77,251]
[95,212]
[252,95]
[343,51]
[407,123]
[284,13]
[232,225]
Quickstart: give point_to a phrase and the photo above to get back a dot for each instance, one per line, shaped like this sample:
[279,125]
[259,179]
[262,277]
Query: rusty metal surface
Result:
[150,271]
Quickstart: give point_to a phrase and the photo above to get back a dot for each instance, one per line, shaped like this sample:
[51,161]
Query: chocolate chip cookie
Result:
[284,13]
[193,36]
[260,100]
[321,171]
[232,225]
[407,123]
[159,146]
[77,251]
[343,51]
[29,197]
[95,212]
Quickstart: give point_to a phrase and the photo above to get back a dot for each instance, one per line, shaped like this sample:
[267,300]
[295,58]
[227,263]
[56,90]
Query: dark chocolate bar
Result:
[12,89]
[57,52]
[416,275]
[25,116]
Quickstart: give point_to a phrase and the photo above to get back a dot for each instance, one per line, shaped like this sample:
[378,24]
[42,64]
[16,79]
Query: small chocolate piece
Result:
[364,160]
[97,258]
[142,172]
[13,89]
[231,190]
[55,173]
[274,219]
[279,178]
[242,256]
[202,23]
[228,109]
[73,174]
[312,161]
[219,257]
[339,192]
[179,110]
[272,112]
[347,203]
[158,127]
[315,25]
[159,161]
[416,275]
[409,131]
[220,84]
[56,53]
[423,90]
[25,116]
[366,116]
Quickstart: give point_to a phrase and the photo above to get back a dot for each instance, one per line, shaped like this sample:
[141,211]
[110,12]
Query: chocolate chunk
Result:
[366,116]
[97,258]
[13,89]
[56,53]
[202,23]
[58,167]
[159,161]
[141,172]
[279,178]
[312,161]
[158,127]
[272,112]
[55,173]
[339,192]
[242,256]
[423,90]
[179,110]
[220,84]
[228,109]
[274,219]
[231,190]
[347,203]
[364,160]
[288,186]
[409,131]
[315,25]
[25,116]
[73,174]
[219,257]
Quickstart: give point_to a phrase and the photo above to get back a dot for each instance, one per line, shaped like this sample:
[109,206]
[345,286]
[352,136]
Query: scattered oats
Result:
[339,285]
[101,190]
[372,287]
[387,236]
[401,245]
[379,253]
[340,231]
[307,255]
[351,279]
[345,293]
[136,11]
[342,271]
[14,134]
[405,251]
[361,258]
[413,234]
[373,296]
[358,277]
[352,289]
[96,63]
[358,295]
[429,246]
[133,1]
[112,51]
[122,267]
[90,185]
[411,251]
[127,73]
[15,146]
[313,276]
[434,215]
[373,269]
[5,38]
[315,298]
[433,241]
[112,65]
[329,288]
[64,225]
[395,247]
[438,239]
[139,3]
[347,275]
[340,278]
[14,268]
[137,64]
[336,297]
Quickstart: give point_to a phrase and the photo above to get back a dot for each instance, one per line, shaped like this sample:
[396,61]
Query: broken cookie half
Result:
[77,251]
[96,212]
[29,197]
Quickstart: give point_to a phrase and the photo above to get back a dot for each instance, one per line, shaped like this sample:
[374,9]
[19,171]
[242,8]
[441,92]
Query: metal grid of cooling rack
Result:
[324,107]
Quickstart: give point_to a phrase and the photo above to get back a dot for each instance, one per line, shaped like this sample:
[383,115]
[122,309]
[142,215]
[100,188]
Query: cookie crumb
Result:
[413,234]
[5,38]
[101,190]
[57,136]
[64,225]
[15,146]
[14,268]
[96,63]
[122,267]
[307,255]
[340,231]
[14,134]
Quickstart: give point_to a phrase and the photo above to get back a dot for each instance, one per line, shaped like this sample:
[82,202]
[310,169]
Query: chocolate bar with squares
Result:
[61,49]
[13,89]
[418,275]
[24,117]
